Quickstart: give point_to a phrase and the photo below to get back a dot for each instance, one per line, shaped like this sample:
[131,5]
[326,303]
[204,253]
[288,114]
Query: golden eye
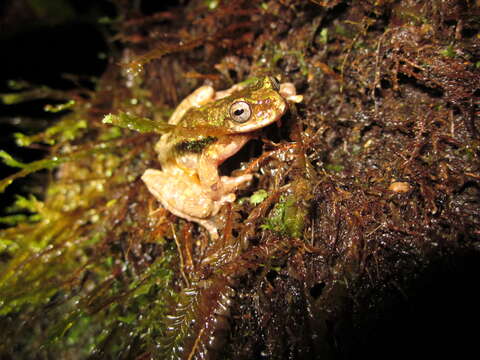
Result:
[240,112]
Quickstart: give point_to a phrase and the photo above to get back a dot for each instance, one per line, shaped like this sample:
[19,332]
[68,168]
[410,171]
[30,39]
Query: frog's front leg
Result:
[207,171]
[217,153]
[230,184]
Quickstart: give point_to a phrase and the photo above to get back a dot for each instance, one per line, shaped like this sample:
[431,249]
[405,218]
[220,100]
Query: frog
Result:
[213,126]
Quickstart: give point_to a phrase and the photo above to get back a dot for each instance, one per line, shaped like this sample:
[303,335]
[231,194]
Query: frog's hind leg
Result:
[189,206]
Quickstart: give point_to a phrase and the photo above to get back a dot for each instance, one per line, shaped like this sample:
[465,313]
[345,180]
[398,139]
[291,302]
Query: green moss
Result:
[273,55]
[323,36]
[137,123]
[449,51]
[48,163]
[287,217]
[258,196]
[6,245]
[31,93]
[10,161]
[17,210]
[68,128]
[334,167]
[212,4]
[60,107]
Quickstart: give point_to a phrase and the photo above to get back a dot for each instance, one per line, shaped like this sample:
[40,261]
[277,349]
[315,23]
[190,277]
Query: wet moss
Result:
[369,188]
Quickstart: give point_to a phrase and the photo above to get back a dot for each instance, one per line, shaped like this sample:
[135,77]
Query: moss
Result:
[449,51]
[287,217]
[258,196]
[137,123]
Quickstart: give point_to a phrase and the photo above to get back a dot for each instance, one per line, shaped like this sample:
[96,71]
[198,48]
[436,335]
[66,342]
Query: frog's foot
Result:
[230,184]
[289,93]
[224,190]
[209,226]
[179,194]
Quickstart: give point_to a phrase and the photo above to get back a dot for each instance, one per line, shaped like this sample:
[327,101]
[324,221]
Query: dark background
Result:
[47,43]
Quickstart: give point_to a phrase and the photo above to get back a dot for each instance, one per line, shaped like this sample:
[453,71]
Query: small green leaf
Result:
[212,4]
[258,196]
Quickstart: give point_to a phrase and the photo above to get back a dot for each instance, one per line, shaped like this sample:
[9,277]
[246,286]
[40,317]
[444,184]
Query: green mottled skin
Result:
[214,117]
[216,113]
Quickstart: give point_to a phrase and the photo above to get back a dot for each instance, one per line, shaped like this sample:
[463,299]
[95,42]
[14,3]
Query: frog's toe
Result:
[211,228]
[232,183]
[289,93]
[229,198]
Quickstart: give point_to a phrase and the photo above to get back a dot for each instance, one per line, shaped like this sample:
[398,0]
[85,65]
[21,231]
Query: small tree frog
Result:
[189,184]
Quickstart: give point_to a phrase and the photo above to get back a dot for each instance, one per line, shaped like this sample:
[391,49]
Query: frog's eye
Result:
[240,111]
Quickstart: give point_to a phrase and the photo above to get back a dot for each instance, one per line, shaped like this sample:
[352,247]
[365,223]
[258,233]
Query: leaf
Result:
[258,196]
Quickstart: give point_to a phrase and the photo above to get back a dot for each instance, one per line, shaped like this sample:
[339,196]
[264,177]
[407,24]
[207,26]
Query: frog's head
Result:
[255,106]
